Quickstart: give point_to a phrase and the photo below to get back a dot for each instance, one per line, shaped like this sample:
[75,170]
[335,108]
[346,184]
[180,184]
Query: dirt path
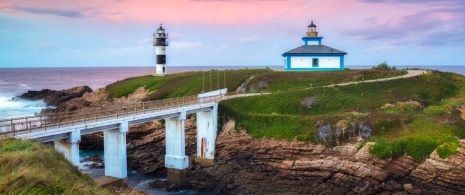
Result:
[411,73]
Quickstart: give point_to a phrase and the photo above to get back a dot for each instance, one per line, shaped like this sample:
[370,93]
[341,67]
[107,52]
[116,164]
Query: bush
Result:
[383,66]
[435,110]
[383,149]
[420,147]
[447,149]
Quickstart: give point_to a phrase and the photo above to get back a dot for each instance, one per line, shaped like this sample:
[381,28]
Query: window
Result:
[315,62]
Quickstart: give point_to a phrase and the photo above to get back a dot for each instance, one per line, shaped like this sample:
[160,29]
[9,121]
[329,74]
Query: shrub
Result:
[420,147]
[383,149]
[447,149]
[435,110]
[383,66]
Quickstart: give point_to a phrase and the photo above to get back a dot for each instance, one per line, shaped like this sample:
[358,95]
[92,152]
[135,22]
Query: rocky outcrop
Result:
[140,94]
[55,98]
[244,165]
[461,110]
[93,99]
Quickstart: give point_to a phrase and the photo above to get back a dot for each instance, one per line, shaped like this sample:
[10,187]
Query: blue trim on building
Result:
[307,39]
[314,69]
[342,62]
[314,54]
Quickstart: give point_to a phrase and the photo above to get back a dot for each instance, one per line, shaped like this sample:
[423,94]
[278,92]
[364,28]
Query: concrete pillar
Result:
[70,147]
[206,136]
[115,151]
[176,143]
[175,159]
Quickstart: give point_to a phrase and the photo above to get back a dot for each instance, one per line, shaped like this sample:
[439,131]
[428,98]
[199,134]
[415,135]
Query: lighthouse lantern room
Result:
[160,44]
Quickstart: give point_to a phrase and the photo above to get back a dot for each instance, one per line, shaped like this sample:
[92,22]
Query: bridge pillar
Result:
[115,151]
[206,136]
[175,159]
[70,147]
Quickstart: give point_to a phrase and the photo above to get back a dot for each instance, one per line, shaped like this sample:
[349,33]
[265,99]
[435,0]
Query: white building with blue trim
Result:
[312,55]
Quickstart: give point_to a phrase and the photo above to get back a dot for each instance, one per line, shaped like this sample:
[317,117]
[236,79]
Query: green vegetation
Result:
[285,81]
[384,66]
[183,84]
[27,167]
[412,116]
[420,117]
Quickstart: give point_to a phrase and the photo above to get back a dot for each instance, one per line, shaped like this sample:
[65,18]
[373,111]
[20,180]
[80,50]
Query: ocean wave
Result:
[10,108]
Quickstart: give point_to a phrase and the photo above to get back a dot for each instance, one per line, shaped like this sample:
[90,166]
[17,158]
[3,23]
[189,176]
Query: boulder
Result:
[54,97]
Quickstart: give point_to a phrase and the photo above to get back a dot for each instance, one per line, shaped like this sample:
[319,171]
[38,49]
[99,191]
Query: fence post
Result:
[12,126]
[27,126]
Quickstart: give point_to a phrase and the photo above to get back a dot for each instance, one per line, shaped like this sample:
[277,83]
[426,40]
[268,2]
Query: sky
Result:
[84,33]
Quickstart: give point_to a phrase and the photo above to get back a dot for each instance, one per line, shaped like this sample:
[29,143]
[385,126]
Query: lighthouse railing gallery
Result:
[48,122]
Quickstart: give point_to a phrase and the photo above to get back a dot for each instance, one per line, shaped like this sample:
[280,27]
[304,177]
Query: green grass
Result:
[285,81]
[27,167]
[183,84]
[406,129]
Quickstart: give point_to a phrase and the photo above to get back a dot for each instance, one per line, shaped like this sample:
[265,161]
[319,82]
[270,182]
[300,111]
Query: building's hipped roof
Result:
[315,49]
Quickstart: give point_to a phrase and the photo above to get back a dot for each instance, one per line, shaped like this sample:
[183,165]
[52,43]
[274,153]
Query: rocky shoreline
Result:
[244,165]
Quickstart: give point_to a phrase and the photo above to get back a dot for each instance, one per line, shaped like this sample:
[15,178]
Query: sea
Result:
[16,81]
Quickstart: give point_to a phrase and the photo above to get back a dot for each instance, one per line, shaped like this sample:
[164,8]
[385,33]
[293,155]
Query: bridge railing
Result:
[46,122]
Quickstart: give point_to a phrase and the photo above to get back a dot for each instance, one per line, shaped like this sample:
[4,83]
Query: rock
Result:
[97,161]
[244,165]
[53,97]
[408,187]
[140,94]
[461,110]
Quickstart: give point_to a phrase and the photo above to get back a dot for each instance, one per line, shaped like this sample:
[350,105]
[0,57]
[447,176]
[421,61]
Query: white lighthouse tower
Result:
[160,44]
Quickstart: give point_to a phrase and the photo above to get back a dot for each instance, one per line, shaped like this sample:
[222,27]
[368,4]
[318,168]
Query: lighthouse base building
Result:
[312,55]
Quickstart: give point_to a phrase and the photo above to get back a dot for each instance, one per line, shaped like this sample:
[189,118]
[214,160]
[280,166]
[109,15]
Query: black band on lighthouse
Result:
[161,59]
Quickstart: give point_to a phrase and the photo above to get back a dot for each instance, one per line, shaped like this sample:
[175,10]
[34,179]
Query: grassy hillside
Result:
[183,84]
[27,167]
[283,81]
[414,115]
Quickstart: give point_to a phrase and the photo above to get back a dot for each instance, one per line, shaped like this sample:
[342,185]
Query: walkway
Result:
[411,73]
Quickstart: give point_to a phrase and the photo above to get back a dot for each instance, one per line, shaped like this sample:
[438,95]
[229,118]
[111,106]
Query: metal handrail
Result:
[45,122]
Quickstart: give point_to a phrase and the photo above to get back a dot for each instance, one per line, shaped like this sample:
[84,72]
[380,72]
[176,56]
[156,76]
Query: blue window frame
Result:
[315,62]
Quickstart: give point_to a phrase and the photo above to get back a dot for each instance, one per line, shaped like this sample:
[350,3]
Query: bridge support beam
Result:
[175,159]
[70,147]
[206,136]
[115,152]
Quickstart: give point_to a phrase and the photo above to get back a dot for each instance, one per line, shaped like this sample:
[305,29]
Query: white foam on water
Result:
[11,108]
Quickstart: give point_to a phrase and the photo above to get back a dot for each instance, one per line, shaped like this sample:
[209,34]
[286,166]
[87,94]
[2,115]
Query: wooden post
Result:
[12,126]
[143,106]
[27,126]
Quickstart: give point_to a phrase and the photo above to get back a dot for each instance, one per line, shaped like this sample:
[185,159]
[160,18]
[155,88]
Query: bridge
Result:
[65,130]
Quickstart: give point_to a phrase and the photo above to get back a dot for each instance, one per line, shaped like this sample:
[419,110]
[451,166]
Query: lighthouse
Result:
[313,55]
[160,44]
